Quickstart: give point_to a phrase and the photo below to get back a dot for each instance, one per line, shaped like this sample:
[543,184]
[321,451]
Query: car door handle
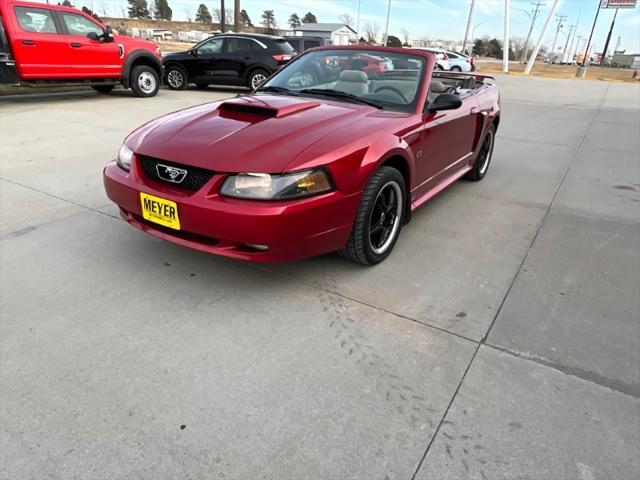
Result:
[28,42]
[75,45]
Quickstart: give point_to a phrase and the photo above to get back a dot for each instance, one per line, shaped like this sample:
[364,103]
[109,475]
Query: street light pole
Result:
[606,44]
[505,50]
[466,33]
[386,28]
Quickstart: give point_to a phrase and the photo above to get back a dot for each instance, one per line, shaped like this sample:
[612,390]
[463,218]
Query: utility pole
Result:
[534,54]
[582,70]
[538,4]
[606,44]
[358,24]
[561,18]
[577,50]
[222,19]
[575,30]
[466,33]
[236,15]
[505,50]
[566,45]
[386,27]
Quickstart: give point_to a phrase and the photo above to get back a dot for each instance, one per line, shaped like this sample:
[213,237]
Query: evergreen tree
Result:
[162,10]
[203,15]
[88,11]
[138,9]
[294,20]
[268,20]
[244,19]
[393,41]
[309,18]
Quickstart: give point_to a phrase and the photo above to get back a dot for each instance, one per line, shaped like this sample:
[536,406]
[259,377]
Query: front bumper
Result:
[227,226]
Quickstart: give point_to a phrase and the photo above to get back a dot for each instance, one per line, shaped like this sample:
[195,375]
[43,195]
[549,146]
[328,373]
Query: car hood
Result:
[260,133]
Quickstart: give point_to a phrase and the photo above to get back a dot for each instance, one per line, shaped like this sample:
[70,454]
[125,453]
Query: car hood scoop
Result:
[270,107]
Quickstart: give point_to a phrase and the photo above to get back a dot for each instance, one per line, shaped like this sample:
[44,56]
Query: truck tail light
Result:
[282,58]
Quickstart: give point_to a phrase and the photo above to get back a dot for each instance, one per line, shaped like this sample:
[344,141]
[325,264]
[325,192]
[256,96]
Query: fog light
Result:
[261,248]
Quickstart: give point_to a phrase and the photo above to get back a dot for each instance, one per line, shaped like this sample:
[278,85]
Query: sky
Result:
[444,19]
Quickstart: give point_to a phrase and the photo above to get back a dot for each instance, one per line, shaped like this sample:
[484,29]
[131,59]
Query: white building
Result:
[335,33]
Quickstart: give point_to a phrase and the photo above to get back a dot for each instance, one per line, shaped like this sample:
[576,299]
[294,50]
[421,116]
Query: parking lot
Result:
[501,338]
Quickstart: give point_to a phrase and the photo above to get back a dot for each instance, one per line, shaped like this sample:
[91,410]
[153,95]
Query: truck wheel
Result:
[481,165]
[144,81]
[177,78]
[256,78]
[103,88]
[379,218]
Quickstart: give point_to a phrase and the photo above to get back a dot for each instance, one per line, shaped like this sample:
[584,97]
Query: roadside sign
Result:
[618,3]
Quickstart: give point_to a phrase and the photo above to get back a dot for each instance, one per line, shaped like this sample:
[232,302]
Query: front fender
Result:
[140,56]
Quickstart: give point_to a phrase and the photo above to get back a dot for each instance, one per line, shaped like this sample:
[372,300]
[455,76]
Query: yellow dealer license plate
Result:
[159,210]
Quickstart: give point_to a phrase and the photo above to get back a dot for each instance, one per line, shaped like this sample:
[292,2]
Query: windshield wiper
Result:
[274,89]
[339,94]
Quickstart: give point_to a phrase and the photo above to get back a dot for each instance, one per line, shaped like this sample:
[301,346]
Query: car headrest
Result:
[353,76]
[437,87]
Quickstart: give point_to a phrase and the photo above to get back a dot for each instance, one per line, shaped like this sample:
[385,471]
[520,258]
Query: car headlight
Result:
[263,186]
[125,155]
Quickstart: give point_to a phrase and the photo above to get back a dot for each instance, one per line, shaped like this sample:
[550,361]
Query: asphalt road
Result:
[501,339]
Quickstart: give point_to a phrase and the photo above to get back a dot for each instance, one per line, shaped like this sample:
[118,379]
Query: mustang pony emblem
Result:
[171,174]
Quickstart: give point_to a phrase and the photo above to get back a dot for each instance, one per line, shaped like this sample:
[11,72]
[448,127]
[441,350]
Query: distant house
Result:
[335,33]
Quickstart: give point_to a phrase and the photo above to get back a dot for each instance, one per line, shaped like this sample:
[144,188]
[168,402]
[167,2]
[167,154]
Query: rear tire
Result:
[145,81]
[481,165]
[256,78]
[176,77]
[103,88]
[379,218]
[456,69]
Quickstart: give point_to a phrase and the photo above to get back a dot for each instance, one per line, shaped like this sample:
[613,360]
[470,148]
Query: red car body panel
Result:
[275,134]
[50,56]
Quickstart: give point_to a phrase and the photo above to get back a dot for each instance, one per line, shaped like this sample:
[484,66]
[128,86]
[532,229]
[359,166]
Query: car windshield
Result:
[386,80]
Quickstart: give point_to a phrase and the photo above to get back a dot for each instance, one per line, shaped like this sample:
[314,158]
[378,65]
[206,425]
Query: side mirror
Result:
[108,34]
[193,52]
[93,36]
[445,101]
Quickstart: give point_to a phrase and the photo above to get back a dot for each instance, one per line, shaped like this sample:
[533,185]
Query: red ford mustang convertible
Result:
[327,155]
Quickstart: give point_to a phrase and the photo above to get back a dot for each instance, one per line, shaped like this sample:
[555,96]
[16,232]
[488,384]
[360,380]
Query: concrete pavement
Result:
[501,339]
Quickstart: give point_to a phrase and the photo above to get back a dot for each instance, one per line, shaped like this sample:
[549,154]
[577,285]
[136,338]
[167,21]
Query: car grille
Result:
[194,180]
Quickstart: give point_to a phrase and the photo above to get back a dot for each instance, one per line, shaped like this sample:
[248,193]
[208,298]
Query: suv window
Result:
[37,20]
[311,44]
[80,26]
[283,46]
[213,45]
[295,44]
[241,45]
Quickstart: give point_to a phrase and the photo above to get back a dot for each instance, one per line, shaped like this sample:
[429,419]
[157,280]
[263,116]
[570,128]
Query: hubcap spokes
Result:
[257,80]
[385,217]
[146,82]
[174,78]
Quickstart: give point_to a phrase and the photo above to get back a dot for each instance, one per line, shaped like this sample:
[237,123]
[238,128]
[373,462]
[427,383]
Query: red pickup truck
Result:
[42,44]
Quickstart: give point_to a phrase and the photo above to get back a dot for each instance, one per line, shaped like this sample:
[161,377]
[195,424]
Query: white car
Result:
[442,59]
[459,62]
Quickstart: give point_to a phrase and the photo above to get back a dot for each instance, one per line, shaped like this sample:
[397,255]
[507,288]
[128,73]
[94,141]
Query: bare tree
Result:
[188,14]
[347,19]
[104,9]
[228,16]
[405,35]
[372,30]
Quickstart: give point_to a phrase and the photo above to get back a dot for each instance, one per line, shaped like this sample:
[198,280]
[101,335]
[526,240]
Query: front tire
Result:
[176,78]
[145,81]
[379,218]
[481,165]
